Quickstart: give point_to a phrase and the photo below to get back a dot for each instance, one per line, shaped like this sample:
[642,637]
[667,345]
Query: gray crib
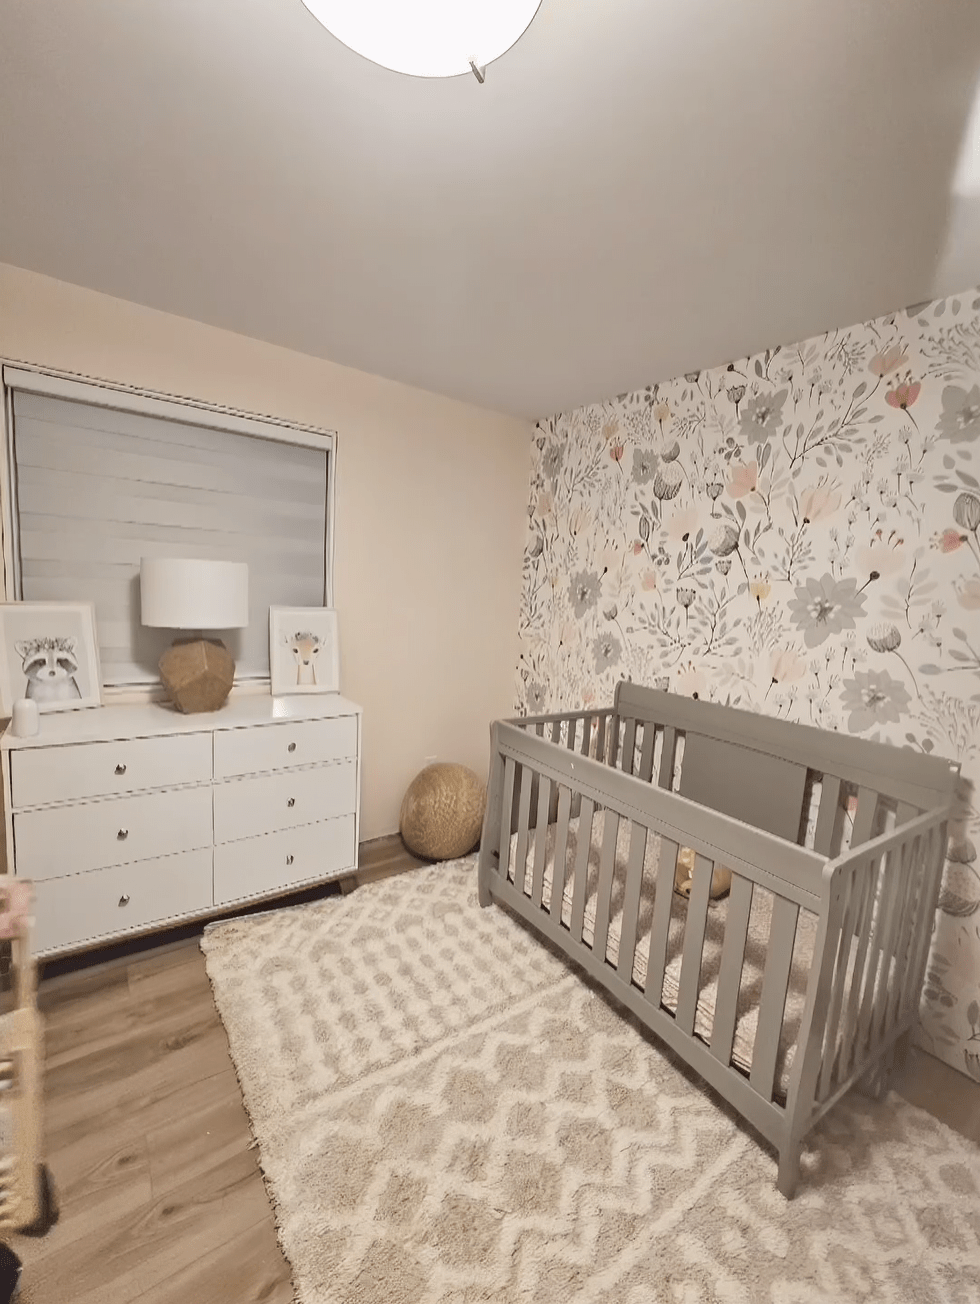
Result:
[805,978]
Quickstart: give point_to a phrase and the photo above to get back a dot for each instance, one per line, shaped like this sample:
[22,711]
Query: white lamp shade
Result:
[182,593]
[426,38]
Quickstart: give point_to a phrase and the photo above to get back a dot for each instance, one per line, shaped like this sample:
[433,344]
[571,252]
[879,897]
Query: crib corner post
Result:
[788,1176]
[489,851]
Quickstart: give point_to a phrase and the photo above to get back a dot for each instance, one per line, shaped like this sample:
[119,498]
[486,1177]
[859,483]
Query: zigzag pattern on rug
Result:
[447,1114]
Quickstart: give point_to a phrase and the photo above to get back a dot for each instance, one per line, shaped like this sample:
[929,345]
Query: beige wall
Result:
[430,513]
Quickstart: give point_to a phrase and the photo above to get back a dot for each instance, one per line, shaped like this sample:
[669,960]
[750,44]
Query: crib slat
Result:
[631,900]
[506,814]
[730,972]
[607,864]
[646,754]
[553,805]
[629,745]
[830,817]
[864,816]
[523,827]
[571,735]
[850,911]
[600,739]
[930,861]
[540,838]
[899,949]
[586,735]
[666,777]
[581,867]
[694,927]
[877,961]
[909,936]
[775,980]
[657,958]
[561,849]
[612,741]
[894,884]
[863,929]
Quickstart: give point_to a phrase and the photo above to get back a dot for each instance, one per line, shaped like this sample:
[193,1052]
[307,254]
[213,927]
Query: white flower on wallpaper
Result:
[797,533]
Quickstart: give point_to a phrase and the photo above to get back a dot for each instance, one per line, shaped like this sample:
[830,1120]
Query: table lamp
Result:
[182,593]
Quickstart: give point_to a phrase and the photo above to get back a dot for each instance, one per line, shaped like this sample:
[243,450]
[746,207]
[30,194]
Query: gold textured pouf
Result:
[442,812]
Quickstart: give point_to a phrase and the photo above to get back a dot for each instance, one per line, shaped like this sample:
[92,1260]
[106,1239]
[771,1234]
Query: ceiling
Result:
[640,188]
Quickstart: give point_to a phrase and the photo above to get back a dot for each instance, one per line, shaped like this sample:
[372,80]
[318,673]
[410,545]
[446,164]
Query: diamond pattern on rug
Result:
[448,1114]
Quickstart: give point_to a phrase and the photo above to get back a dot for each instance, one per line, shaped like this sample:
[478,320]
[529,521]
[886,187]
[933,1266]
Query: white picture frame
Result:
[303,650]
[49,653]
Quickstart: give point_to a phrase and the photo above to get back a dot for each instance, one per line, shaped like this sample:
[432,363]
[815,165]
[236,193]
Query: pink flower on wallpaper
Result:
[648,580]
[743,478]
[786,665]
[968,594]
[819,501]
[949,540]
[887,360]
[691,681]
[903,395]
[683,525]
[616,452]
[880,559]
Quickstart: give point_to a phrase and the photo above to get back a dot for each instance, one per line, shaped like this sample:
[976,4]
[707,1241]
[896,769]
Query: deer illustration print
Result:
[306,648]
[50,665]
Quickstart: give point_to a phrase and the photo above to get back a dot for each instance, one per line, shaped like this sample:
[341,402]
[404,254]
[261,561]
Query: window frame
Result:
[95,392]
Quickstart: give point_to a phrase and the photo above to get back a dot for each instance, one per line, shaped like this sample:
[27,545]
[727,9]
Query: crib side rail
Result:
[519,758]
[880,903]
[658,974]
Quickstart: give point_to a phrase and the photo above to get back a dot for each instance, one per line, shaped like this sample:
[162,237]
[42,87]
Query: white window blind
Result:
[95,487]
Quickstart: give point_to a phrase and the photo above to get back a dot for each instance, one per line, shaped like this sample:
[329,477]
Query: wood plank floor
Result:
[149,1146]
[146,1138]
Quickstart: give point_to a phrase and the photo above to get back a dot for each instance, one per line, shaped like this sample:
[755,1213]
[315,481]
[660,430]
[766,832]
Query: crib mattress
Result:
[756,944]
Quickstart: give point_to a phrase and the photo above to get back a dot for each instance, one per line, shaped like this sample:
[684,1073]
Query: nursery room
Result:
[490,652]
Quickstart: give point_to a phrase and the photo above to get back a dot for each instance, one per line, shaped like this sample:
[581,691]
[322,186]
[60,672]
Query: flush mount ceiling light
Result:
[427,38]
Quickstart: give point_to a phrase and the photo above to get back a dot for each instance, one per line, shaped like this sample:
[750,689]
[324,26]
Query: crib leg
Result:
[788,1176]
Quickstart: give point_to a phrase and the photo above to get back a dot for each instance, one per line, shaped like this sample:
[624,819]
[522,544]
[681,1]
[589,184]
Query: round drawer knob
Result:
[291,747]
[120,769]
[289,860]
[124,899]
[122,835]
[291,802]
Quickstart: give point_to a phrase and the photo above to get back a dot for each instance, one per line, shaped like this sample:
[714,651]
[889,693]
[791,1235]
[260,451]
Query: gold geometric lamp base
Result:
[197,676]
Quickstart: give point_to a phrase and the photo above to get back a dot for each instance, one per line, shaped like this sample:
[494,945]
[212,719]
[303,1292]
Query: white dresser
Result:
[128,818]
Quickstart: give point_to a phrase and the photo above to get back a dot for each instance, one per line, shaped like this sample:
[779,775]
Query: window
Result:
[97,477]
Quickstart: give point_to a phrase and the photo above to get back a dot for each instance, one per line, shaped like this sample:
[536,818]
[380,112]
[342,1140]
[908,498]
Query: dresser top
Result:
[149,719]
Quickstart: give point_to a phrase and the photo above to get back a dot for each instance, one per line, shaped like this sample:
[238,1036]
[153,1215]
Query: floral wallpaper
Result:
[795,533]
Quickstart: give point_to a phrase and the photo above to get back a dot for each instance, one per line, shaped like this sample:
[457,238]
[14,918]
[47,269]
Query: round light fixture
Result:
[427,38]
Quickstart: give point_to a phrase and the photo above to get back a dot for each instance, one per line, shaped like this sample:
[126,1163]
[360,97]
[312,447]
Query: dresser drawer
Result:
[267,802]
[117,831]
[103,902]
[257,866]
[282,746]
[39,775]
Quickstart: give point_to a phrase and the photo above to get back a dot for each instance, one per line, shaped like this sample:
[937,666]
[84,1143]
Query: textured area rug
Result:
[448,1114]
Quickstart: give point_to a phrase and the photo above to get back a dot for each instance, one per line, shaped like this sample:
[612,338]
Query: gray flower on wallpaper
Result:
[762,416]
[960,895]
[608,650]
[584,592]
[872,698]
[644,465]
[536,698]
[960,417]
[667,482]
[825,606]
[553,458]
